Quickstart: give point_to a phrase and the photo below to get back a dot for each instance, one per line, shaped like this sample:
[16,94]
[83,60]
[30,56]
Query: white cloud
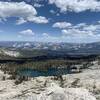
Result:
[92,28]
[80,25]
[52,12]
[27,32]
[81,29]
[62,25]
[38,20]
[45,34]
[76,33]
[37,5]
[20,21]
[76,5]
[78,30]
[23,11]
[65,32]
[81,32]
[8,9]
[99,22]
[57,14]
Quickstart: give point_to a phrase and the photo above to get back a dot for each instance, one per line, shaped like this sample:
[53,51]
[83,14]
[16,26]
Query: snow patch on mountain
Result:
[10,53]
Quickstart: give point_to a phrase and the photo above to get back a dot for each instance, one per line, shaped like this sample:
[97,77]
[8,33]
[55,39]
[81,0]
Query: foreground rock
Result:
[41,88]
[80,86]
[57,93]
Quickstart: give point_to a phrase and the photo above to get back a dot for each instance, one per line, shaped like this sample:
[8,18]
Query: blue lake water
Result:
[49,72]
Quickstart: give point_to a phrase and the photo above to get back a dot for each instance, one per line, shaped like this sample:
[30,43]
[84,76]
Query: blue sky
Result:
[50,20]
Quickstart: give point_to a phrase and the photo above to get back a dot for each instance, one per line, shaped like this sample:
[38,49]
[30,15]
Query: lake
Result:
[49,72]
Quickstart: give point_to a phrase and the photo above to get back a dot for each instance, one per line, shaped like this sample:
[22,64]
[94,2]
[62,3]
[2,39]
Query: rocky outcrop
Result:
[79,86]
[42,88]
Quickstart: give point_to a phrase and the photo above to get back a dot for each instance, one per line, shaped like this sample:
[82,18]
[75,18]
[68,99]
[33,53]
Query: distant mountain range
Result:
[16,49]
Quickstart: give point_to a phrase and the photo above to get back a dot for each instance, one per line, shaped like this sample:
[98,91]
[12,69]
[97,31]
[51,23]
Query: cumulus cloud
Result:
[80,25]
[82,29]
[27,32]
[20,21]
[39,19]
[78,30]
[92,28]
[62,25]
[65,32]
[81,32]
[76,5]
[52,12]
[23,11]
[37,5]
[99,22]
[45,34]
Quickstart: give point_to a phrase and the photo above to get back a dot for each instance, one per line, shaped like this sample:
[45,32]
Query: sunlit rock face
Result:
[35,90]
[57,93]
[46,88]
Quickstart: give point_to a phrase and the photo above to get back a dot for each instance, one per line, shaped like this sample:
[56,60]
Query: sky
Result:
[76,21]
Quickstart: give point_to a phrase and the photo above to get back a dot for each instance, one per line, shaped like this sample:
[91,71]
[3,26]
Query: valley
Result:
[50,74]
